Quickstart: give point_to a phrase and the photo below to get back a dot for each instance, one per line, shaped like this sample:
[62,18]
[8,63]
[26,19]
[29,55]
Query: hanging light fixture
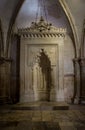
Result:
[41,14]
[41,11]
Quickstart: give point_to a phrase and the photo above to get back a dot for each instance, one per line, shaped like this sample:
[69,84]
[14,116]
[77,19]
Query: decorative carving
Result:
[42,29]
[40,50]
[34,51]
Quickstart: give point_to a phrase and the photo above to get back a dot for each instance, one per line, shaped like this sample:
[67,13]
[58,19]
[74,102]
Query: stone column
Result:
[82,79]
[76,95]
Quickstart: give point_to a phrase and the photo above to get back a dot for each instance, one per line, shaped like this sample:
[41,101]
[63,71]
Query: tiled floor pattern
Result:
[42,120]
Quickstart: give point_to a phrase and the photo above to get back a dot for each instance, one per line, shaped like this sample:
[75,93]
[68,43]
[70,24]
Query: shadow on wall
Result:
[45,65]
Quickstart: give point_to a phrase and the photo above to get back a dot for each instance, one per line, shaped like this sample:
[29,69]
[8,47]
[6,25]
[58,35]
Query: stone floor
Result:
[72,119]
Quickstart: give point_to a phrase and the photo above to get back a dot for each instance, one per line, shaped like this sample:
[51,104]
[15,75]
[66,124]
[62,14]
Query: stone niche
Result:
[42,62]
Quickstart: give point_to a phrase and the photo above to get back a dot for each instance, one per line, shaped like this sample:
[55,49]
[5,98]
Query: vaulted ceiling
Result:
[11,13]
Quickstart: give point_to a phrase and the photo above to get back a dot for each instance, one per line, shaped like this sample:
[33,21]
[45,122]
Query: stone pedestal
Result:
[76,95]
[82,79]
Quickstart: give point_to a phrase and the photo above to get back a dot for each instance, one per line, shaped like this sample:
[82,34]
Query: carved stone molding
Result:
[50,51]
[41,29]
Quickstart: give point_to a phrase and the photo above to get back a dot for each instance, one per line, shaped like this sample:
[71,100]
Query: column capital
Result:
[3,60]
[76,61]
[82,61]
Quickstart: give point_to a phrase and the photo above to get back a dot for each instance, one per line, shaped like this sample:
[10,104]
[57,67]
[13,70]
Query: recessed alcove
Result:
[56,39]
[42,62]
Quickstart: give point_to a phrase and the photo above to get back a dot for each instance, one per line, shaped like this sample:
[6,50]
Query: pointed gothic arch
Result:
[67,12]
[72,24]
[12,21]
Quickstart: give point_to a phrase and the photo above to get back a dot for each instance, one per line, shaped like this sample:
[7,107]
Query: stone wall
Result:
[33,41]
[68,87]
[5,82]
[69,55]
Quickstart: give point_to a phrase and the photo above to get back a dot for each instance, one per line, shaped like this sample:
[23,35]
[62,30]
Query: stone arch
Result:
[67,13]
[76,47]
[12,21]
[72,24]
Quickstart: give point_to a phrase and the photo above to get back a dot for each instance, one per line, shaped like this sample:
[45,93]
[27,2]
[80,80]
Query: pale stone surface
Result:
[32,49]
[77,12]
[68,87]
[73,119]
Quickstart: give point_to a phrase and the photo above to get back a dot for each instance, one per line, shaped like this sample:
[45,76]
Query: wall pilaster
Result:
[76,95]
[82,79]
